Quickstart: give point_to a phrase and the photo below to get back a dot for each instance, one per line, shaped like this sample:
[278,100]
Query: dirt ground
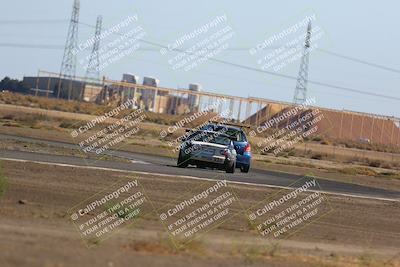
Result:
[36,229]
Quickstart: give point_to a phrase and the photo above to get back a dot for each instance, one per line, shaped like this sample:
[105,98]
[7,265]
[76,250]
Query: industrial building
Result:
[149,96]
[65,88]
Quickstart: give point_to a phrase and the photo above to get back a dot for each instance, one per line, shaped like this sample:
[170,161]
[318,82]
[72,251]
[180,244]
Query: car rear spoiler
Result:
[240,125]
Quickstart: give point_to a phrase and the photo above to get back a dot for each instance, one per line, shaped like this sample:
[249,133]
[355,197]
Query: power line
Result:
[323,84]
[309,81]
[38,46]
[244,66]
[354,59]
[278,74]
[359,60]
[33,21]
[45,46]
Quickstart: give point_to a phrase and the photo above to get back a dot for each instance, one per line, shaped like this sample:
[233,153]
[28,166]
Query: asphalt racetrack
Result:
[167,166]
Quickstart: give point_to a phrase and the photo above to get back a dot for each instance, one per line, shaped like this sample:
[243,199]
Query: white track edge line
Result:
[193,178]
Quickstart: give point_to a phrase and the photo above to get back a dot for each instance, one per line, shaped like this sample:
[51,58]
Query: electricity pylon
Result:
[93,67]
[300,93]
[68,65]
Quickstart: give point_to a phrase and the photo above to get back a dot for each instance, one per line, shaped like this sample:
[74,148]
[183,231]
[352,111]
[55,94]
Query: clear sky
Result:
[365,30]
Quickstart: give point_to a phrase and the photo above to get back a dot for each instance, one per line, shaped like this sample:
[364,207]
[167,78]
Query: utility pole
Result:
[300,93]
[68,65]
[93,67]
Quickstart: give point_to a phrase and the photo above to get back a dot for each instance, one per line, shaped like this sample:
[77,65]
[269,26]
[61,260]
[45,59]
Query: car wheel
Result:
[230,168]
[182,163]
[245,168]
[201,166]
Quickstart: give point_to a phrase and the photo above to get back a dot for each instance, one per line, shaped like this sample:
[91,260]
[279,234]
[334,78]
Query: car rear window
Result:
[221,140]
[239,134]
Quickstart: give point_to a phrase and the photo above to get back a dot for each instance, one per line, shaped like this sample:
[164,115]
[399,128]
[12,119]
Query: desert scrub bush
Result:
[350,171]
[374,163]
[3,181]
[8,117]
[359,171]
[12,124]
[317,156]
[291,153]
[68,124]
[317,139]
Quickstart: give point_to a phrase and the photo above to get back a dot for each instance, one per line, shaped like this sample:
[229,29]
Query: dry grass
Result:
[82,107]
[3,181]
[359,171]
[162,245]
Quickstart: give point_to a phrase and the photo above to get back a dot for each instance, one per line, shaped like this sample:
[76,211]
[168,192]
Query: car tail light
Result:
[247,148]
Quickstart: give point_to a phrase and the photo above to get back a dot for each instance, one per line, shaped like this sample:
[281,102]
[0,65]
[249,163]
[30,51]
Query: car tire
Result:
[182,163]
[230,168]
[245,168]
[201,166]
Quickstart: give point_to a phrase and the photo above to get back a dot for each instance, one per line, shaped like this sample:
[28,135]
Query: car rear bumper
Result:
[209,164]
[211,159]
[243,160]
